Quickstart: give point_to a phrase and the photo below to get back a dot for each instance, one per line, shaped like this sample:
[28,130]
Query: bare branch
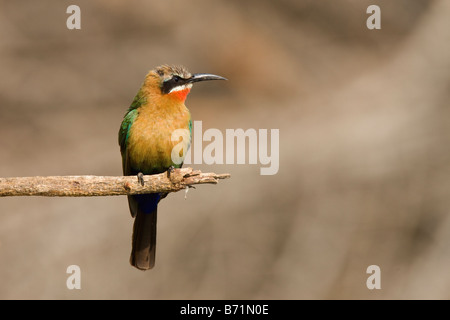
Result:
[90,186]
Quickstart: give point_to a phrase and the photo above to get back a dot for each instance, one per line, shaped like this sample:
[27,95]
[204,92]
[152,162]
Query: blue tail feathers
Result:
[148,202]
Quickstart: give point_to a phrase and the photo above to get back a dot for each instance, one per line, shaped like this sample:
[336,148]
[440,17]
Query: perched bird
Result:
[146,146]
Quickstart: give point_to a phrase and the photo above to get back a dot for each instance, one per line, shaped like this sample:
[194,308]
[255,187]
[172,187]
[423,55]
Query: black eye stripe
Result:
[171,83]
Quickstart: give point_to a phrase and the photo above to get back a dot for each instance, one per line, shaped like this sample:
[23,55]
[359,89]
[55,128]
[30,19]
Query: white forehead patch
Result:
[182,87]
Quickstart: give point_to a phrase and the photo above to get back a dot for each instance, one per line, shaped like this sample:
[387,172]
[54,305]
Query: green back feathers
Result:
[190,126]
[132,112]
[139,100]
[124,130]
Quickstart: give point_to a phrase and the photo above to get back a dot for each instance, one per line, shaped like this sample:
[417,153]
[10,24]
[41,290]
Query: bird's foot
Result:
[170,171]
[140,177]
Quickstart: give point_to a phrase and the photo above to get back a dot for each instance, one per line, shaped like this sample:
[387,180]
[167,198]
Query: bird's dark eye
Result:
[176,79]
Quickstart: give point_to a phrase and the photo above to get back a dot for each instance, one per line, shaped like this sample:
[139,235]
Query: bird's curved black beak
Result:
[196,77]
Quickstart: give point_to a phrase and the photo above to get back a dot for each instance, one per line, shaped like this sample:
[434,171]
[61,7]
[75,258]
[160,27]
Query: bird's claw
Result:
[169,172]
[140,177]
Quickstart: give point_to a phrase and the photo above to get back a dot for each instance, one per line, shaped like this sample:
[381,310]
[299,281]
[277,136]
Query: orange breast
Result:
[150,142]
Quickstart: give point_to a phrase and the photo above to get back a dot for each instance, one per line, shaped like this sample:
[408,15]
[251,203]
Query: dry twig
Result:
[90,186]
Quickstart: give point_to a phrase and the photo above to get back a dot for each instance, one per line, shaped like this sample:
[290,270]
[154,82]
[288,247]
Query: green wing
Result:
[127,122]
[124,133]
[124,130]
[139,100]
[190,127]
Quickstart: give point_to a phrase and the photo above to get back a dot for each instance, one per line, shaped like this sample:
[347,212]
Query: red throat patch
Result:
[181,94]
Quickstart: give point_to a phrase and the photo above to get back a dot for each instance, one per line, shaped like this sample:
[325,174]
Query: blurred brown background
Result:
[364,148]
